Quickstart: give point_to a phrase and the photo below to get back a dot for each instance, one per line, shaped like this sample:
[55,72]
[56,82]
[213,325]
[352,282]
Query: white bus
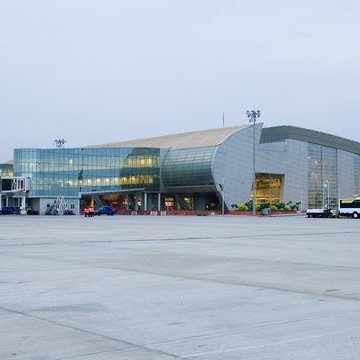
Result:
[349,207]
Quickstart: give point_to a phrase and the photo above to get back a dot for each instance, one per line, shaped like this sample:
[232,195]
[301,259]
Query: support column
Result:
[127,201]
[145,201]
[159,201]
[23,205]
[23,202]
[136,202]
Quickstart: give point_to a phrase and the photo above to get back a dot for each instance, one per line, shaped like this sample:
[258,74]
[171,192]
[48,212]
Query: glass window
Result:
[322,176]
[188,167]
[269,188]
[67,172]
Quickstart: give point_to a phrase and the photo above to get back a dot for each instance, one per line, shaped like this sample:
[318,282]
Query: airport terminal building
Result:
[190,171]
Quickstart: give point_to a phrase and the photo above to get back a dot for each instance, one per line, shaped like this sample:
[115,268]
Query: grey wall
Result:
[233,162]
[290,158]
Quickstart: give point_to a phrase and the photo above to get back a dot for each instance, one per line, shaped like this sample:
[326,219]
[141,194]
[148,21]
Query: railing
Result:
[170,212]
[201,212]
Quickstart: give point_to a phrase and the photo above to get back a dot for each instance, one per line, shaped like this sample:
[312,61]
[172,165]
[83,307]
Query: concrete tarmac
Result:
[209,288]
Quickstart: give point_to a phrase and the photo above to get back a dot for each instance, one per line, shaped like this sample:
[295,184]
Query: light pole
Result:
[81,171]
[252,116]
[327,186]
[223,196]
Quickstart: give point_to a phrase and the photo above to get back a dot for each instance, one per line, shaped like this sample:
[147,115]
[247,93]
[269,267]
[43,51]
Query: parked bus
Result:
[349,207]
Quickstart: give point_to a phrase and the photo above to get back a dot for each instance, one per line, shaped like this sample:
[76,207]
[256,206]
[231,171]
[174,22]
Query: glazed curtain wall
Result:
[357,175]
[67,172]
[322,176]
[188,167]
[269,188]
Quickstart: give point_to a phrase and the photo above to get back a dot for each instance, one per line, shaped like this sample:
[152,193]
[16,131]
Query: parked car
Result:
[31,211]
[10,210]
[105,210]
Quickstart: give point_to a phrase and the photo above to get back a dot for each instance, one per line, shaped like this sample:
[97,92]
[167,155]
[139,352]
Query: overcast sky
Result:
[97,71]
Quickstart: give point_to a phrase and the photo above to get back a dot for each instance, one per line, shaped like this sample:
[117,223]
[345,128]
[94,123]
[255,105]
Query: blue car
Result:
[10,210]
[105,210]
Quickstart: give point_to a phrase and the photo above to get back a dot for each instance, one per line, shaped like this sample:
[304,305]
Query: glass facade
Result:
[268,188]
[67,172]
[322,176]
[188,167]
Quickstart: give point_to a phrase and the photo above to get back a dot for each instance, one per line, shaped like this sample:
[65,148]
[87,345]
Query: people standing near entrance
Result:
[89,212]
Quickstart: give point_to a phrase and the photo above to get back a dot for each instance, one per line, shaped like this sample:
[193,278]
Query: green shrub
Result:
[242,207]
[263,206]
[249,205]
[279,206]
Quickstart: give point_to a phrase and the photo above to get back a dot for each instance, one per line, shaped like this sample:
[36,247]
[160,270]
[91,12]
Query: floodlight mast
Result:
[59,143]
[252,116]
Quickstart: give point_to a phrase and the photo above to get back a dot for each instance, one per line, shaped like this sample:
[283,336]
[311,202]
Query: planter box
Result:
[259,212]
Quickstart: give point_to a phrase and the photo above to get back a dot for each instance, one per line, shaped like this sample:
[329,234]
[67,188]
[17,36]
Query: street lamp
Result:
[252,116]
[222,187]
[81,171]
[327,186]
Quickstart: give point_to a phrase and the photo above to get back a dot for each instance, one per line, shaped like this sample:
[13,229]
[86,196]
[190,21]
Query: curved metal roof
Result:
[202,138]
[215,137]
[280,133]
